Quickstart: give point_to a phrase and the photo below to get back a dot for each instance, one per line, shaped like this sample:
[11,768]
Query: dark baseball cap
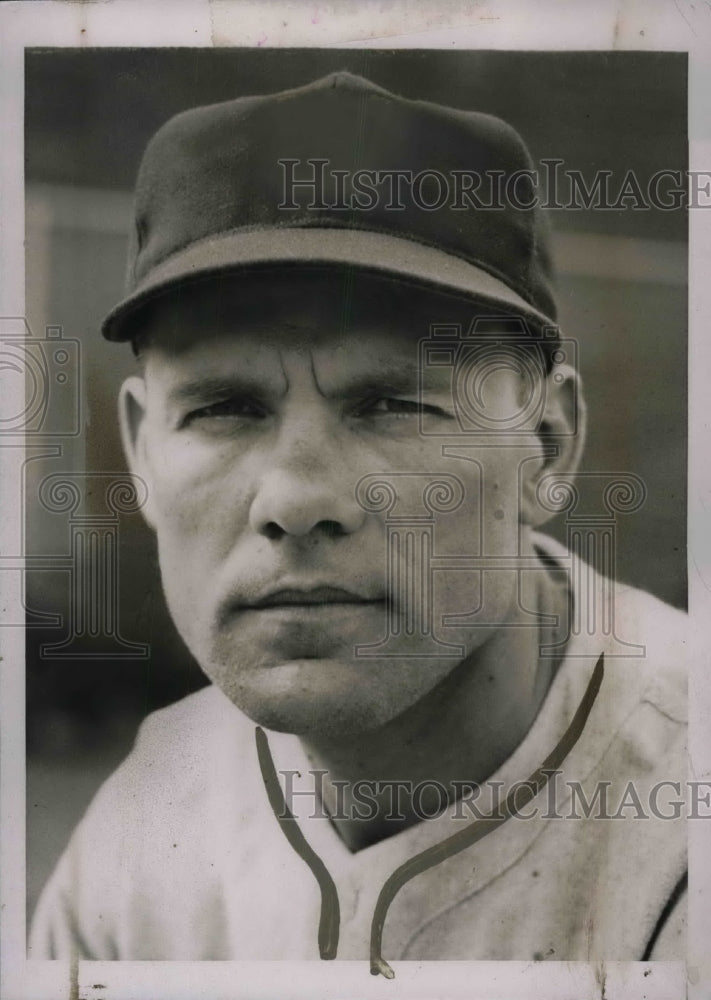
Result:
[338,172]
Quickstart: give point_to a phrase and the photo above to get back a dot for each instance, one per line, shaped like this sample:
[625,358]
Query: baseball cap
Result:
[338,172]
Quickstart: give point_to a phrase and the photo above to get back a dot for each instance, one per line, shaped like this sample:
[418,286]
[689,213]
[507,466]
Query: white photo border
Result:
[651,25]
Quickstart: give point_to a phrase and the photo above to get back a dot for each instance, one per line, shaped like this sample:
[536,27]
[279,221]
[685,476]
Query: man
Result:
[352,413]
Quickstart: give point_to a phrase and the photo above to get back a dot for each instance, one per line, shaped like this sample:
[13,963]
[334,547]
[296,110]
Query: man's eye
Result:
[226,408]
[392,406]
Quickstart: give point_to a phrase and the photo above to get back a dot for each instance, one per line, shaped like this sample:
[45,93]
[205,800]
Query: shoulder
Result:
[181,751]
[662,632]
[191,762]
[171,810]
[188,724]
[638,727]
[173,776]
[644,639]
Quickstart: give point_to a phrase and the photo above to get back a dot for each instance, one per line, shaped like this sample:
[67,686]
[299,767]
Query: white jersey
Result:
[180,855]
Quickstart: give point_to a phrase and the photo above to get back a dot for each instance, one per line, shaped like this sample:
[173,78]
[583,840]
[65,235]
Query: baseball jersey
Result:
[180,855]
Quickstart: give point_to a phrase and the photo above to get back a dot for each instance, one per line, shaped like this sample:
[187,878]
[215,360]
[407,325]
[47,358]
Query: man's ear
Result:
[562,436]
[132,420]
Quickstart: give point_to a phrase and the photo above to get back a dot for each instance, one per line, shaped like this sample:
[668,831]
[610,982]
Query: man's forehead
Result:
[336,362]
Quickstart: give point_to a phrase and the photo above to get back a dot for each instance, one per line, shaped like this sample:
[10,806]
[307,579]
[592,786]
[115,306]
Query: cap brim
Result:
[368,251]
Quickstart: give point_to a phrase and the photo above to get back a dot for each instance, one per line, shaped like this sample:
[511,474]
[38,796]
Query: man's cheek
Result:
[188,490]
[456,592]
[187,573]
[189,537]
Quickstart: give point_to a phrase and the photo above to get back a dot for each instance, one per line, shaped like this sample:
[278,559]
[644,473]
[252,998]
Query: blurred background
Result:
[622,295]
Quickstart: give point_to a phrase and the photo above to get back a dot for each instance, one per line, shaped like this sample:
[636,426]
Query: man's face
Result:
[262,408]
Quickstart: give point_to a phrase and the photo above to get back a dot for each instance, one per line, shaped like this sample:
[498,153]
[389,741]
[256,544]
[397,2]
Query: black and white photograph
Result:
[350,517]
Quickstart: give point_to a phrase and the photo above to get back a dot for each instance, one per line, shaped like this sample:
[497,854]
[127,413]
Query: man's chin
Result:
[309,697]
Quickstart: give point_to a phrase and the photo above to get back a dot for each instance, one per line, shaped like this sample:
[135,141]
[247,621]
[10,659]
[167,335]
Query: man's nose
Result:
[306,487]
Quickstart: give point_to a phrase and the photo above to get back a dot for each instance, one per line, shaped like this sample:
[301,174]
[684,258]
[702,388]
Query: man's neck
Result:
[454,738]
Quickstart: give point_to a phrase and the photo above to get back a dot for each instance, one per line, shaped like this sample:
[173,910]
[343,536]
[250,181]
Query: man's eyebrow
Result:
[393,378]
[211,386]
[400,378]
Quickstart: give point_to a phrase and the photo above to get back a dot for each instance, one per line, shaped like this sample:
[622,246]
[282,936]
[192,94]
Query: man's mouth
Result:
[309,597]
